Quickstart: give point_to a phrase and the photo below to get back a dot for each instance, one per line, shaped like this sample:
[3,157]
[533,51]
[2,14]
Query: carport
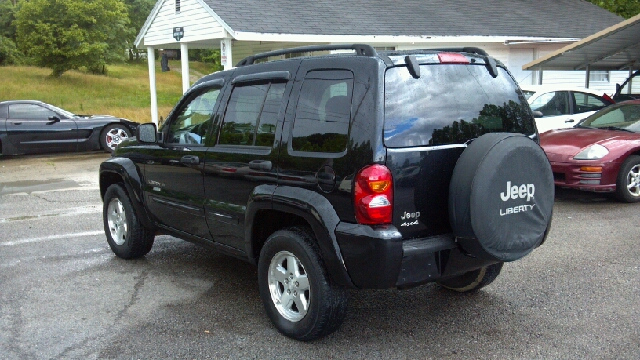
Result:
[612,49]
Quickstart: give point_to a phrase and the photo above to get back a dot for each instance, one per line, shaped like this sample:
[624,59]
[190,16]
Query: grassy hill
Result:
[124,92]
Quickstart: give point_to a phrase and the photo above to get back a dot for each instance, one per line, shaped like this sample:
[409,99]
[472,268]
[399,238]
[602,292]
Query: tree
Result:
[7,15]
[69,34]
[624,8]
[138,11]
[9,53]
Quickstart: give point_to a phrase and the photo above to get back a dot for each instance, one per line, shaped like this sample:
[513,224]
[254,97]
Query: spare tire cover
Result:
[501,197]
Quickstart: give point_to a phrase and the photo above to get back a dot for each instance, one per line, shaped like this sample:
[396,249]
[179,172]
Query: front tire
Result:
[295,289]
[628,183]
[112,136]
[472,280]
[126,236]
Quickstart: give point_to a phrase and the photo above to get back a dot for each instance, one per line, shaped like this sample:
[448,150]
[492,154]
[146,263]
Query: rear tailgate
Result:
[421,179]
[428,122]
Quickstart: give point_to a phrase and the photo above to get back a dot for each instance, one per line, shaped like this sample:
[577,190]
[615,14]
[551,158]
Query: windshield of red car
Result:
[625,117]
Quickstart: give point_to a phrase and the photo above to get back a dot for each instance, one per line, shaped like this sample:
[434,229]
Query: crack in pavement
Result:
[134,296]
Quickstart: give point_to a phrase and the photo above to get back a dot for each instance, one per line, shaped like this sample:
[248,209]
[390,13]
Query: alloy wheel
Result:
[633,181]
[117,220]
[289,286]
[115,136]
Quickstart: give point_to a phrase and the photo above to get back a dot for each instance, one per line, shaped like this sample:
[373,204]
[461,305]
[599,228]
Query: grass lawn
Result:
[124,92]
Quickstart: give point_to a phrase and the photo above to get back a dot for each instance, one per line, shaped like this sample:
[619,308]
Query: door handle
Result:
[569,121]
[262,165]
[17,123]
[190,160]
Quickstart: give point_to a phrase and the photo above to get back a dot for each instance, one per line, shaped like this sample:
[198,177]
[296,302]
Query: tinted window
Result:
[266,130]
[4,111]
[552,103]
[29,112]
[252,114]
[323,112]
[588,102]
[191,125]
[451,104]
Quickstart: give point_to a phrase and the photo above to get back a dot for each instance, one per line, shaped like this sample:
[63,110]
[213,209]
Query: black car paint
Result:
[239,221]
[64,134]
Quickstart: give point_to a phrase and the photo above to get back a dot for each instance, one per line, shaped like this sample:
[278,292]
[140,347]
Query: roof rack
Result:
[361,50]
[468,49]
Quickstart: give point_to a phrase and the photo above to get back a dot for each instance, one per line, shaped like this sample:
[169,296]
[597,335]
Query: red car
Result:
[601,153]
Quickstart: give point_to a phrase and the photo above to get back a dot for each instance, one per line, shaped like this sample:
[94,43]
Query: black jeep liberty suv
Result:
[336,171]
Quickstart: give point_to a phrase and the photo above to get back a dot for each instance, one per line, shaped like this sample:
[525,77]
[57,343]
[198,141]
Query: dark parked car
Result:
[29,127]
[602,153]
[366,170]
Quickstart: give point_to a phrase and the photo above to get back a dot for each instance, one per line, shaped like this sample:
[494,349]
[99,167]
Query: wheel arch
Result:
[290,206]
[125,172]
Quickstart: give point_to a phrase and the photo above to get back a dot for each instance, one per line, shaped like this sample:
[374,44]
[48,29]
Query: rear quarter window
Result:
[323,112]
[451,104]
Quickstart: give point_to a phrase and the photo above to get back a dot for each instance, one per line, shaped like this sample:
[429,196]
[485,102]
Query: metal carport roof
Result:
[614,48]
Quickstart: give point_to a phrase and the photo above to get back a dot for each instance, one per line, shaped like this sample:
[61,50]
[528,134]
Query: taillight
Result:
[452,58]
[373,195]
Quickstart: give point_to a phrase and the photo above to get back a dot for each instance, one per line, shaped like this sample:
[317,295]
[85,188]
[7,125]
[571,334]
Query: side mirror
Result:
[53,119]
[147,133]
[537,114]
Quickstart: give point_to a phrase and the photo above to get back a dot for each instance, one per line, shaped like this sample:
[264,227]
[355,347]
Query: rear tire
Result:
[112,136]
[295,288]
[126,236]
[472,280]
[628,183]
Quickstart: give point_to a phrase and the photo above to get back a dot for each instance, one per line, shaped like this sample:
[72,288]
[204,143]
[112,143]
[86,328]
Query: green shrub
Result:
[9,53]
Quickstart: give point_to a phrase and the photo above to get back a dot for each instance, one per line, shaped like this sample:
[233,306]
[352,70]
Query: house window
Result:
[599,76]
[177,6]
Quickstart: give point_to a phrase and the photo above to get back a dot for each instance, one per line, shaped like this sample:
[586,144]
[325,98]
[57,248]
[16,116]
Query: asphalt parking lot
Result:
[63,294]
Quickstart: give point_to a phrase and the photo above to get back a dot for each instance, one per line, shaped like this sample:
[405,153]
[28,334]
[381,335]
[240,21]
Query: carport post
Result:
[587,76]
[151,59]
[184,61]
[540,76]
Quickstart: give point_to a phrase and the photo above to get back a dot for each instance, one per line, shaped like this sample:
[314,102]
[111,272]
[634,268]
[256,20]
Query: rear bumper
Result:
[378,258]
[570,175]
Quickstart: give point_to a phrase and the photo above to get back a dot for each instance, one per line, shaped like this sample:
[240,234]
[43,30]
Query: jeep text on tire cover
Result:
[351,170]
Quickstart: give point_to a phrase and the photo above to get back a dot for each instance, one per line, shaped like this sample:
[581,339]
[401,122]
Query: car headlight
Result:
[593,152]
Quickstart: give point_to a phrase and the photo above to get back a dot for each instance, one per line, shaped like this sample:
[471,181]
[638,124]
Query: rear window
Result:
[451,104]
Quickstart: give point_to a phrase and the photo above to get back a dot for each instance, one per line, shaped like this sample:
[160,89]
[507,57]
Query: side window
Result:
[4,111]
[252,114]
[30,112]
[191,125]
[323,112]
[588,102]
[552,103]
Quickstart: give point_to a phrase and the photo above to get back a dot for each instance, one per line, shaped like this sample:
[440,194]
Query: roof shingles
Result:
[526,18]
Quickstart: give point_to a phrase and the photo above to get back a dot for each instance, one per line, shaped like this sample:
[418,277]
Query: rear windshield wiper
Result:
[616,128]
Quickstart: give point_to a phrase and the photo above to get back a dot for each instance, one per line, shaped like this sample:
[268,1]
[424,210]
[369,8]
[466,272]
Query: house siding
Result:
[513,57]
[197,22]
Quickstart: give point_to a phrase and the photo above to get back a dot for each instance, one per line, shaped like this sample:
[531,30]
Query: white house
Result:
[515,32]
